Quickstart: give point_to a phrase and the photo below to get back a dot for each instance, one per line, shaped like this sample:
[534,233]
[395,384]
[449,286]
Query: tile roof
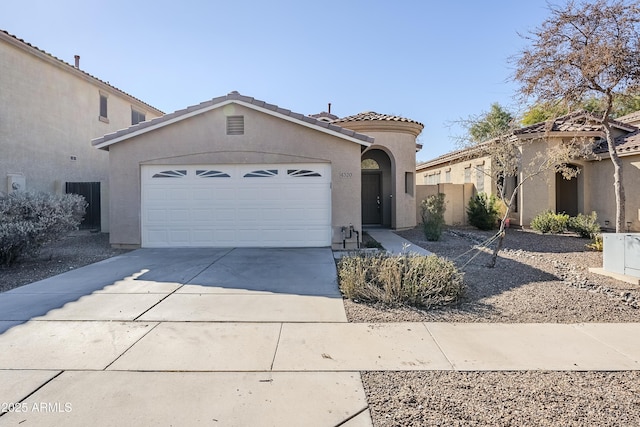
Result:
[630,118]
[626,144]
[373,116]
[213,103]
[65,65]
[578,121]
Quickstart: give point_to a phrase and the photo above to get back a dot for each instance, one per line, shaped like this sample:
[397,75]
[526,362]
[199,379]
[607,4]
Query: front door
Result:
[566,195]
[371,198]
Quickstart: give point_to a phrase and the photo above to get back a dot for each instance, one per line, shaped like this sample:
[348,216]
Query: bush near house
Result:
[432,211]
[549,222]
[483,212]
[585,225]
[421,281]
[30,220]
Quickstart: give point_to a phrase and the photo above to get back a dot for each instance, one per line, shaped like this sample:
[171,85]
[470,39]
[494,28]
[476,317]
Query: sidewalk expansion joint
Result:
[352,416]
[453,368]
[36,390]
[132,344]
[275,353]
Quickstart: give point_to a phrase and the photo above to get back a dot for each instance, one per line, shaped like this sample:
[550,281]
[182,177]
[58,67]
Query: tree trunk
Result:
[618,187]
[494,256]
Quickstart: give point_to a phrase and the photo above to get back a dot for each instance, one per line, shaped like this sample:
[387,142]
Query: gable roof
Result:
[21,44]
[236,98]
[579,122]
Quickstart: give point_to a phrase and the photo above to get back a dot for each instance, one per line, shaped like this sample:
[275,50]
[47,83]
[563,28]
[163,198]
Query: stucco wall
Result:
[202,140]
[49,114]
[456,200]
[602,196]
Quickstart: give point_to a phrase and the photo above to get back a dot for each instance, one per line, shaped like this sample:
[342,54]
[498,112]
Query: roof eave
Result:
[361,139]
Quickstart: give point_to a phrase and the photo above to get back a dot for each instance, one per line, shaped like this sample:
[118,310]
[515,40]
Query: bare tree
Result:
[511,171]
[518,155]
[585,49]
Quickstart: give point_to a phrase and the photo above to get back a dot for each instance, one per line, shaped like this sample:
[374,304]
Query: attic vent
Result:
[235,125]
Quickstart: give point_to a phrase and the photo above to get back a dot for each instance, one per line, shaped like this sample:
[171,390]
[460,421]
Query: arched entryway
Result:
[376,188]
[567,193]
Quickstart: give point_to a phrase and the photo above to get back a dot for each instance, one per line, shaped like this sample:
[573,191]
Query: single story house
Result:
[236,171]
[461,174]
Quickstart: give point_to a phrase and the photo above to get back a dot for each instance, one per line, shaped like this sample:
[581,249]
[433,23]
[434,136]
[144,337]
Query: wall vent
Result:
[235,125]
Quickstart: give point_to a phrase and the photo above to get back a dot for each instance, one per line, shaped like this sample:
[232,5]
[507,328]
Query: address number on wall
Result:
[346,175]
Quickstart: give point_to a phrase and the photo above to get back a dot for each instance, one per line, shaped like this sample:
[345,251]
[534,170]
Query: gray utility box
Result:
[621,253]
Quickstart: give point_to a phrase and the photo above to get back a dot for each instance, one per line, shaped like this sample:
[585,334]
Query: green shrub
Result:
[482,211]
[596,243]
[432,211]
[30,220]
[422,281]
[550,222]
[585,225]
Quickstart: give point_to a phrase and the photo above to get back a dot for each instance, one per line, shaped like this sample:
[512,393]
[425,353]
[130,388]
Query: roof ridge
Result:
[373,116]
[231,96]
[66,64]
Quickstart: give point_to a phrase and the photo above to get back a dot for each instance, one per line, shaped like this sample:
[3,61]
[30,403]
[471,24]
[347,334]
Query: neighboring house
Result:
[592,190]
[49,111]
[248,173]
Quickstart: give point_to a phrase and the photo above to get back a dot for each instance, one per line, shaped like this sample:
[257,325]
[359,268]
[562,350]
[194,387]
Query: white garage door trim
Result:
[256,205]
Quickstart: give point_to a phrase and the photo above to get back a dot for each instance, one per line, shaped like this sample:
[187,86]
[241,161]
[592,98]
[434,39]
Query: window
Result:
[432,178]
[447,176]
[264,173]
[235,125]
[103,108]
[302,173]
[408,183]
[467,174]
[369,164]
[205,173]
[179,173]
[480,178]
[137,117]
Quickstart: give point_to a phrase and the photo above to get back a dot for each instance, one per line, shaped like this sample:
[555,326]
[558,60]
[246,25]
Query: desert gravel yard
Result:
[538,278]
[74,250]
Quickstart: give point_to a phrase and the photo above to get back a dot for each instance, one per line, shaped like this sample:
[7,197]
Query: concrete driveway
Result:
[174,337]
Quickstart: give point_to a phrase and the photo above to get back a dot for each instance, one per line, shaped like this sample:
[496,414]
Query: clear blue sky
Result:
[431,61]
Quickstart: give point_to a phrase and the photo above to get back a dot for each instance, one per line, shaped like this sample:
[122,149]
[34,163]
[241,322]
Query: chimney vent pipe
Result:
[77,58]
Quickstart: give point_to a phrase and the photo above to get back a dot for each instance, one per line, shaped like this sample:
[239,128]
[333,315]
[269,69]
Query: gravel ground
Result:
[503,398]
[75,250]
[538,278]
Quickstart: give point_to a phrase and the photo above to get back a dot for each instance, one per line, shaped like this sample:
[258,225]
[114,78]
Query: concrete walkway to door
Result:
[236,337]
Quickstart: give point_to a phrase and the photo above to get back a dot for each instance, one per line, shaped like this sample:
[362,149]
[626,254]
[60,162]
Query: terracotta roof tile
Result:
[373,116]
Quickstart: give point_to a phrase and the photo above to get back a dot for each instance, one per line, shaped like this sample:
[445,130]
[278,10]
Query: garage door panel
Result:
[278,205]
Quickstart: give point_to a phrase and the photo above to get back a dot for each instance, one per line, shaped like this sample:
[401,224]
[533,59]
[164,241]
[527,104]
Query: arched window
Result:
[369,164]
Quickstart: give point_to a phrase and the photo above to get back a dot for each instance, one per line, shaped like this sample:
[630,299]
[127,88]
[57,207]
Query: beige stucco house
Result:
[461,174]
[49,111]
[236,171]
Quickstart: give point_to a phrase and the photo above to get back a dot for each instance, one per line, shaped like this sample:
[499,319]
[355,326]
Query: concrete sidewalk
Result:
[394,243]
[202,349]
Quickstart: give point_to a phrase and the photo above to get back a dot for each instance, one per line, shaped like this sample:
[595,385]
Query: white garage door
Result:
[269,205]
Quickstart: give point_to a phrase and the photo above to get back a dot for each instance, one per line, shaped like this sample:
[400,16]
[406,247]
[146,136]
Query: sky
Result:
[435,62]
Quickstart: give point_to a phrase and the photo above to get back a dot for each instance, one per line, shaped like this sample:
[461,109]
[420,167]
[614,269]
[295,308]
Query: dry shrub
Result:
[422,281]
